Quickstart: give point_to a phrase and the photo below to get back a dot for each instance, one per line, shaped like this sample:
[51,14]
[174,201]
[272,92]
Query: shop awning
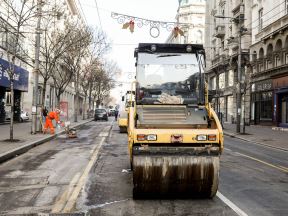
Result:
[280,91]
[20,80]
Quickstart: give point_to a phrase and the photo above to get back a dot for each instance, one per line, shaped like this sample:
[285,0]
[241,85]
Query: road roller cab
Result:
[175,139]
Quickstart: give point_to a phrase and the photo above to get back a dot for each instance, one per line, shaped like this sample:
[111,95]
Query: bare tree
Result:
[98,47]
[53,46]
[17,15]
[69,62]
[85,77]
[74,59]
[104,81]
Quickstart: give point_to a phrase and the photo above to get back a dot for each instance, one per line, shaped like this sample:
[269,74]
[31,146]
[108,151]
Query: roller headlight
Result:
[151,137]
[201,137]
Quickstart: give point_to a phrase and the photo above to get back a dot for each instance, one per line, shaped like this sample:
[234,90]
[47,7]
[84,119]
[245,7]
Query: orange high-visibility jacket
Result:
[53,115]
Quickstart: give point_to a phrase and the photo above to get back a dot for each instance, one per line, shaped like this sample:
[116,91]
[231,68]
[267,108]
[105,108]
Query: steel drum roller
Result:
[180,175]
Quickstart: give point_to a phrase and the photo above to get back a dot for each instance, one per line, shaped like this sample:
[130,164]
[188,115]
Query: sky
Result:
[123,41]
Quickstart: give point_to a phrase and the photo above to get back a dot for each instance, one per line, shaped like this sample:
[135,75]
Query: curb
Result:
[255,142]
[22,149]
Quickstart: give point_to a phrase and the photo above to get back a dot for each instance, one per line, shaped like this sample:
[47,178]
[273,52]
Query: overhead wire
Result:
[82,12]
[99,18]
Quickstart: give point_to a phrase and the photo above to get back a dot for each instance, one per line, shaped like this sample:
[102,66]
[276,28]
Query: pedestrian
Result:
[51,116]
[44,114]
[116,114]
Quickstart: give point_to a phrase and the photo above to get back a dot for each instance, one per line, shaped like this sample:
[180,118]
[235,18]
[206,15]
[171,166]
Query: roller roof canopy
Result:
[168,48]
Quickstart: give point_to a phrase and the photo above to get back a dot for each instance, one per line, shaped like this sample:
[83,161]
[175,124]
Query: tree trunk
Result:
[76,106]
[93,105]
[58,100]
[76,102]
[90,96]
[12,109]
[84,108]
[44,92]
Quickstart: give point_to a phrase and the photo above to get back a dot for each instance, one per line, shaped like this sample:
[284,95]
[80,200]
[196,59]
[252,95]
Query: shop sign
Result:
[64,109]
[20,76]
[263,85]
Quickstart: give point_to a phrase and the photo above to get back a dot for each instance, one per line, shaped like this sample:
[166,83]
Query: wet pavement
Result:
[35,181]
[90,175]
[109,189]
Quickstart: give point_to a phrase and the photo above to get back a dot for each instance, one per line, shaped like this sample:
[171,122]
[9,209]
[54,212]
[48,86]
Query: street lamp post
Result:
[36,68]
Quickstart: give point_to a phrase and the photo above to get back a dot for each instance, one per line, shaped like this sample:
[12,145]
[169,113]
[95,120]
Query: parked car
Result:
[111,112]
[24,116]
[101,114]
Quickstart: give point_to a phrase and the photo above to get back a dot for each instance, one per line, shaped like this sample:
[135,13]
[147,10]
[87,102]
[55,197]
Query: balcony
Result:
[219,31]
[238,11]
[272,29]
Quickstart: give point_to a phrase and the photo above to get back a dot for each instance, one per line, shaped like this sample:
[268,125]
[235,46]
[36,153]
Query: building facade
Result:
[21,67]
[224,19]
[24,86]
[269,63]
[191,12]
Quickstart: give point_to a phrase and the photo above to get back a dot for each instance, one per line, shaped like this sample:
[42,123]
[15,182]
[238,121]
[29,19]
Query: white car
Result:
[24,116]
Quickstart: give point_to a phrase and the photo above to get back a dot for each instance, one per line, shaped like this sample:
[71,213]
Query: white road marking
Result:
[68,199]
[107,203]
[235,208]
[74,195]
[67,193]
[103,134]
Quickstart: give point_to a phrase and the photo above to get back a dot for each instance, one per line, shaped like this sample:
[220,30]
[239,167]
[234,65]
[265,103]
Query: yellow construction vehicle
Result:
[128,100]
[174,136]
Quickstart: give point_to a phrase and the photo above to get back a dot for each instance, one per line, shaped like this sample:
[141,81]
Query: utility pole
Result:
[238,86]
[36,68]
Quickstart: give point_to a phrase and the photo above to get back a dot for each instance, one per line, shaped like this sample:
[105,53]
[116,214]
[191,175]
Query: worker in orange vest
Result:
[51,116]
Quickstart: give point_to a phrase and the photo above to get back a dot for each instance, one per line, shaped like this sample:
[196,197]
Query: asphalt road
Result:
[90,175]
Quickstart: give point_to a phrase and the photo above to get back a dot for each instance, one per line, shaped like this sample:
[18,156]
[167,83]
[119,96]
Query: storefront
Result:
[20,85]
[261,103]
[280,85]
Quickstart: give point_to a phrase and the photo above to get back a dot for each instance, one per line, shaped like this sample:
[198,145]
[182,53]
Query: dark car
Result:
[101,114]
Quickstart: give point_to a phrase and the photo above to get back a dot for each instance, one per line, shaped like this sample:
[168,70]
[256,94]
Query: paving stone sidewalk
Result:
[266,135]
[22,132]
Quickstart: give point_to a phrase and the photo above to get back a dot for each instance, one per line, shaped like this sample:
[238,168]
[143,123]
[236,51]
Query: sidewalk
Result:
[22,132]
[263,135]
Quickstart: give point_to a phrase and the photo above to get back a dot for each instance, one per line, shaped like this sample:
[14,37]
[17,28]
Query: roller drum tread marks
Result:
[177,176]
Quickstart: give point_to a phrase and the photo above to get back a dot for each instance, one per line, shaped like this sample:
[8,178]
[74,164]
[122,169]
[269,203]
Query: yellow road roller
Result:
[175,138]
[127,101]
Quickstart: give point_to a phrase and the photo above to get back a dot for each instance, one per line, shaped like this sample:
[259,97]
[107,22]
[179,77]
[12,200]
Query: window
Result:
[260,16]
[265,106]
[212,83]
[8,98]
[230,78]
[222,81]
[286,6]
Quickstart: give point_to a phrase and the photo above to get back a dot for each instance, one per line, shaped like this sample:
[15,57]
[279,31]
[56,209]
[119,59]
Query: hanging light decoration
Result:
[131,22]
[177,31]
